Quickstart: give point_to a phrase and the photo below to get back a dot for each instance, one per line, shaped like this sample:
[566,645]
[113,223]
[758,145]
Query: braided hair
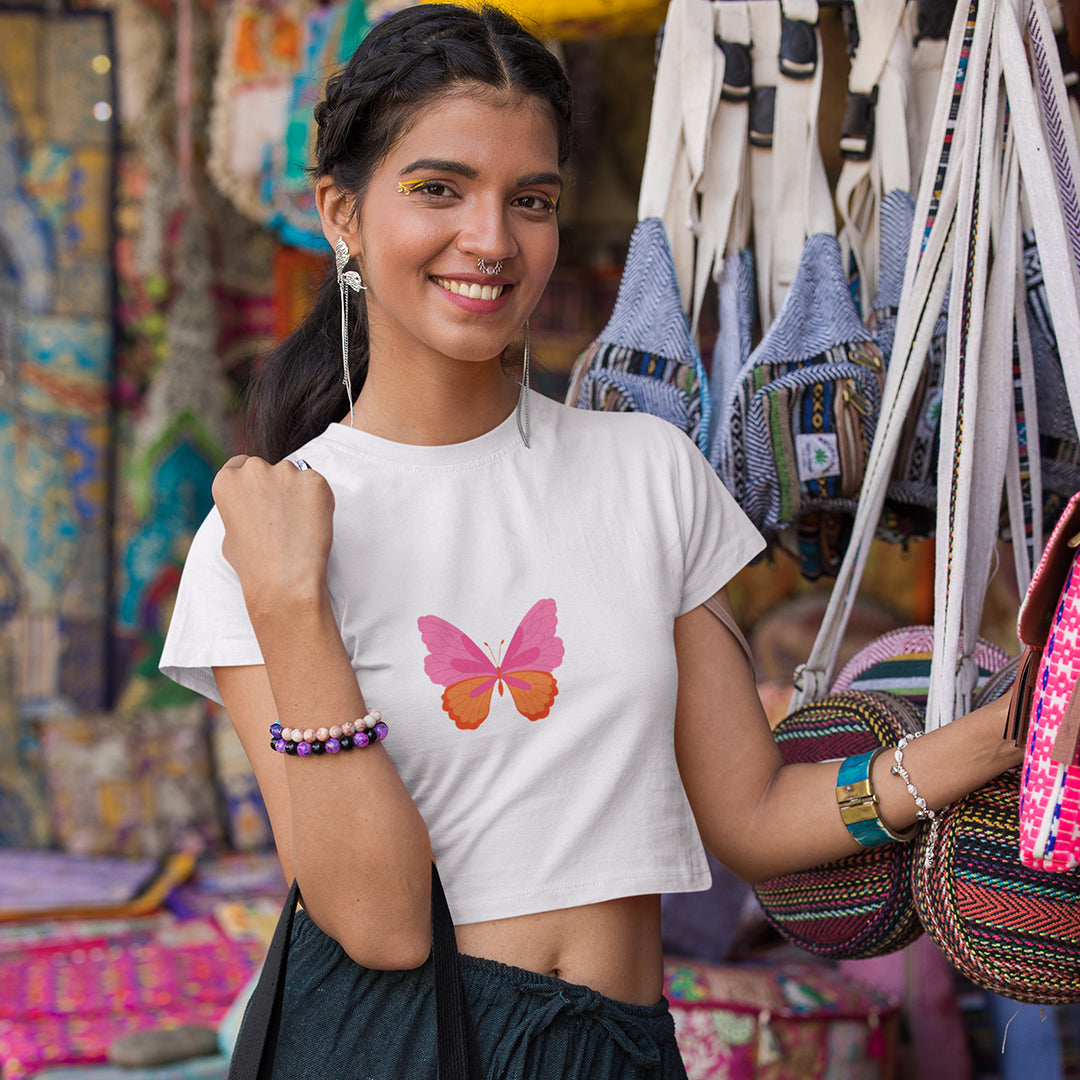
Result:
[405,62]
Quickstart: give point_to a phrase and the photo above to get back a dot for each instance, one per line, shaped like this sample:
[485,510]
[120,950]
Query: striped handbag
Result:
[862,905]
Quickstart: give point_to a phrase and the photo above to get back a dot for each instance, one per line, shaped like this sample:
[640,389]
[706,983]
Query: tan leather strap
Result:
[1068,736]
[717,608]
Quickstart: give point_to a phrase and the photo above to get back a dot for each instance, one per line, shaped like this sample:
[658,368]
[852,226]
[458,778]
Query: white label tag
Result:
[930,417]
[818,455]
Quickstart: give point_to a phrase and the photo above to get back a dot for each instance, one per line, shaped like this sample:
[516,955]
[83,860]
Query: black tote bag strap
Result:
[253,1055]
[458,1055]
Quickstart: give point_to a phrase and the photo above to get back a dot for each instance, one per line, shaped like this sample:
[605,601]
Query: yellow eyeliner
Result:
[408,187]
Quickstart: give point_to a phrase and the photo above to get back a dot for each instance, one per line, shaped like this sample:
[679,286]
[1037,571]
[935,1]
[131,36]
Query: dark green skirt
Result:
[341,1021]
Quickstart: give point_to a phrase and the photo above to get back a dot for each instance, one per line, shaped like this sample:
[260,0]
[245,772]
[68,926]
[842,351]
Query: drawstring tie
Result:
[555,1001]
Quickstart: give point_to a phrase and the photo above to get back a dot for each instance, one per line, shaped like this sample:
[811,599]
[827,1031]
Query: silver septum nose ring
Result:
[485,269]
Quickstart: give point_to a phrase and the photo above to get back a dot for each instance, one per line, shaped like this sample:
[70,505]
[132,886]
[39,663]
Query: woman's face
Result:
[475,177]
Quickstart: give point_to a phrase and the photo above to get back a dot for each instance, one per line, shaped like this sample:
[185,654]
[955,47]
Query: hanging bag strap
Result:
[765,32]
[802,203]
[685,90]
[925,286]
[458,1055]
[722,176]
[873,166]
[962,470]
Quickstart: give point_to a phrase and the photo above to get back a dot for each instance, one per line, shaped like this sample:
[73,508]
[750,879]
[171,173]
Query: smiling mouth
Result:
[470,290]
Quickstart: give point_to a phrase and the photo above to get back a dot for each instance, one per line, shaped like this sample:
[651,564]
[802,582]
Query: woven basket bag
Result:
[1007,927]
[862,905]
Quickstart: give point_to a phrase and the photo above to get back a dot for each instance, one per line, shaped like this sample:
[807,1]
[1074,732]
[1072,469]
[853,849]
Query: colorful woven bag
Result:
[862,905]
[1010,928]
[1048,707]
[898,663]
[1007,927]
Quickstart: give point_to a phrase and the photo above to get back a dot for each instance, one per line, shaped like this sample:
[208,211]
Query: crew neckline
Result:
[499,438]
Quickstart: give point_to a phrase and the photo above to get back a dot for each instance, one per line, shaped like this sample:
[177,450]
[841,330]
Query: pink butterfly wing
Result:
[452,655]
[534,646]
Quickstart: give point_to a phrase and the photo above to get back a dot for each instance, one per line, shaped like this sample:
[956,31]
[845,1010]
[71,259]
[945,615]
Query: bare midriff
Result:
[613,947]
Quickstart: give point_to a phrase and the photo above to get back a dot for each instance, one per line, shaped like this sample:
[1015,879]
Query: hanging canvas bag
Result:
[1047,704]
[800,417]
[644,360]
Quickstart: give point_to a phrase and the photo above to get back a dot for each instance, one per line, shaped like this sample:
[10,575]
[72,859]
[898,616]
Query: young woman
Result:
[516,587]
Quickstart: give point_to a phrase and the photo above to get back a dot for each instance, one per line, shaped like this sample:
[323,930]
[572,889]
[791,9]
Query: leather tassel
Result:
[1023,696]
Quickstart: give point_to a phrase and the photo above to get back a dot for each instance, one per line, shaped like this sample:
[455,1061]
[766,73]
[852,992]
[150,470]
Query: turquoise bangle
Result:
[858,803]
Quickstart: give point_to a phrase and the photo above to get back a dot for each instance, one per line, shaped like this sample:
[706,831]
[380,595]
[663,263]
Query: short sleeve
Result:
[718,538]
[210,625]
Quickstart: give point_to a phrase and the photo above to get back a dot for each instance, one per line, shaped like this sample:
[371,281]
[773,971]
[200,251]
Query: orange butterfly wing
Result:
[534,700]
[466,703]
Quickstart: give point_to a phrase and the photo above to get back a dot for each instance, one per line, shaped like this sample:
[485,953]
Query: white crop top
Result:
[510,612]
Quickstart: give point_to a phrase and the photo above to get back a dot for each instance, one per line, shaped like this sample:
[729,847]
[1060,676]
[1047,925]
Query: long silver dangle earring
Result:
[523,396]
[346,279]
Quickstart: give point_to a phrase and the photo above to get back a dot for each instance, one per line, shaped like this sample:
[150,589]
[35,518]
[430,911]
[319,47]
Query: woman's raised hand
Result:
[278,528]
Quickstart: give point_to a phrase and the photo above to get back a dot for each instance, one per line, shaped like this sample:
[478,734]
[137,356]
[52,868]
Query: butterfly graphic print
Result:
[470,675]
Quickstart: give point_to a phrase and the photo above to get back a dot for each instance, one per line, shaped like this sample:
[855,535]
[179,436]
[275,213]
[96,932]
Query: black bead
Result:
[346,742]
[290,748]
[317,747]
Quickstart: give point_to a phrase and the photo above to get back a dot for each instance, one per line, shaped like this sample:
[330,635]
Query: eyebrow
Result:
[467,171]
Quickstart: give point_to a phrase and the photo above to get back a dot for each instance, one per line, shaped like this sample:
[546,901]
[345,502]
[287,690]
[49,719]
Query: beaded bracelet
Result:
[922,811]
[302,742]
[858,802]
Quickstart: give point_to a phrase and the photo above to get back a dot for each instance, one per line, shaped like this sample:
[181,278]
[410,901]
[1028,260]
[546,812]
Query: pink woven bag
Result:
[1046,703]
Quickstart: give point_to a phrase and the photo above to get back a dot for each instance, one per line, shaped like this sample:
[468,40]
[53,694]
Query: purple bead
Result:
[275,729]
[303,748]
[360,739]
[279,745]
[380,731]
[332,746]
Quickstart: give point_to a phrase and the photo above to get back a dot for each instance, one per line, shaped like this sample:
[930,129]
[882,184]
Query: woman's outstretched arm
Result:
[763,818]
[345,825]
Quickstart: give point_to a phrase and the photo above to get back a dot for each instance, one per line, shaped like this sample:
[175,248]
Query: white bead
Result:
[336,732]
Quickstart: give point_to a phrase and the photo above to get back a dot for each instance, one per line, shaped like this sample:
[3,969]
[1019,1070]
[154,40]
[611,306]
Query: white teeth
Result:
[472,291]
